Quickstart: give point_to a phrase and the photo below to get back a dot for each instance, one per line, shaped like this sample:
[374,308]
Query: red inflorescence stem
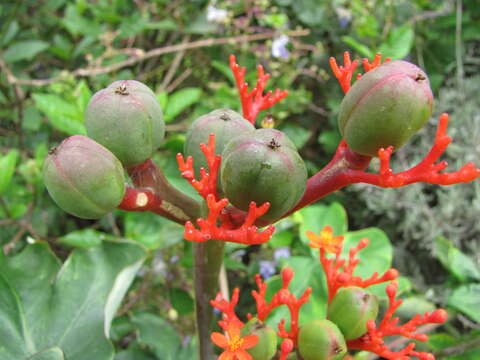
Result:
[283,297]
[373,340]
[348,167]
[217,225]
[254,101]
[227,308]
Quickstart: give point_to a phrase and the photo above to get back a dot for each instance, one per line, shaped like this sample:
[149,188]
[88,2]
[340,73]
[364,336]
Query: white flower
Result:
[215,15]
[279,49]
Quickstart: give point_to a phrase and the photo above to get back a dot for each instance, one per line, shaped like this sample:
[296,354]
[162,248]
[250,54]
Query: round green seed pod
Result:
[84,178]
[224,123]
[127,119]
[321,340]
[350,310]
[262,166]
[267,339]
[385,107]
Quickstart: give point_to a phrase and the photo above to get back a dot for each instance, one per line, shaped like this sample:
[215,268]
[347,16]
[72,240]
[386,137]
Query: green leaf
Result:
[63,115]
[358,47]
[311,12]
[7,168]
[10,33]
[82,95]
[181,301]
[459,264]
[82,238]
[398,43]
[163,99]
[54,353]
[44,304]
[24,50]
[466,298]
[152,231]
[158,334]
[180,100]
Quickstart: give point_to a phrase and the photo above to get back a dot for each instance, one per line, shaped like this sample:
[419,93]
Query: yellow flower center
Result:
[235,343]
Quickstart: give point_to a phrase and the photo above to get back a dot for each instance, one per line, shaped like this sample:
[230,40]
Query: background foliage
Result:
[55,54]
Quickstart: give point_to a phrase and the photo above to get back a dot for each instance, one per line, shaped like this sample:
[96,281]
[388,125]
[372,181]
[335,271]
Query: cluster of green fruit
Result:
[348,314]
[85,175]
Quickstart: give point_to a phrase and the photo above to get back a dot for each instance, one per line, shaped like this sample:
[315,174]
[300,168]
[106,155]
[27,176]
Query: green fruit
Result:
[224,123]
[267,339]
[263,166]
[321,340]
[385,107]
[127,119]
[351,308]
[84,178]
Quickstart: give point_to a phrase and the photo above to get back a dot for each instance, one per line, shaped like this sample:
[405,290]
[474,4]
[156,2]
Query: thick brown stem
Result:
[208,257]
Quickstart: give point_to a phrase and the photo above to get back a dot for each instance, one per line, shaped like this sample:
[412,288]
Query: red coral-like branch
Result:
[344,73]
[373,340]
[228,309]
[283,297]
[286,348]
[426,171]
[339,272]
[217,226]
[208,180]
[254,101]
[247,233]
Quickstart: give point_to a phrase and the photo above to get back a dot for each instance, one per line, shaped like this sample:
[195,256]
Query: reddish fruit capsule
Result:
[127,119]
[351,308]
[84,178]
[321,340]
[263,166]
[385,107]
[224,123]
[267,339]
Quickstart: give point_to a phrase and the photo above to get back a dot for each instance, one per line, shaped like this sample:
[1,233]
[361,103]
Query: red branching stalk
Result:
[227,308]
[344,73]
[339,272]
[348,167]
[373,340]
[217,226]
[427,170]
[254,101]
[286,348]
[283,297]
[208,180]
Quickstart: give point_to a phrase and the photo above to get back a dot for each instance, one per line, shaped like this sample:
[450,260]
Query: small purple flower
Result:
[281,253]
[344,16]
[279,47]
[267,269]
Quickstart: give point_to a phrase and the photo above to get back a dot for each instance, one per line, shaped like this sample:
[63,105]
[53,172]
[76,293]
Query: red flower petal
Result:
[249,341]
[219,340]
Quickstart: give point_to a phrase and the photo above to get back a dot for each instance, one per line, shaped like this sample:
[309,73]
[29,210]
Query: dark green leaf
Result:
[7,168]
[180,100]
[466,298]
[181,301]
[82,238]
[398,43]
[24,50]
[44,304]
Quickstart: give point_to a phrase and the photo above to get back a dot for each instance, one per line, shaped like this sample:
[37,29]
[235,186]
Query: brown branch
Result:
[94,71]
[458,349]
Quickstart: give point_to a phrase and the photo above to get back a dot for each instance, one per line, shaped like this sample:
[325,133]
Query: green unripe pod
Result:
[224,123]
[267,339]
[84,178]
[385,107]
[263,166]
[127,119]
[351,308]
[321,340]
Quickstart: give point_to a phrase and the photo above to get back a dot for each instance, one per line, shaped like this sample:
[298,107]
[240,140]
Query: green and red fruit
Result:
[385,107]
[321,340]
[127,119]
[84,178]
[351,309]
[267,339]
[224,123]
[262,166]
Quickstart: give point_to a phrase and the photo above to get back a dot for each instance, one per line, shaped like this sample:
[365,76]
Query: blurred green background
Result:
[54,54]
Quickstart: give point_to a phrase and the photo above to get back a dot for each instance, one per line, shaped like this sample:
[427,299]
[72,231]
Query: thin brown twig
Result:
[174,66]
[179,80]
[458,349]
[94,71]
